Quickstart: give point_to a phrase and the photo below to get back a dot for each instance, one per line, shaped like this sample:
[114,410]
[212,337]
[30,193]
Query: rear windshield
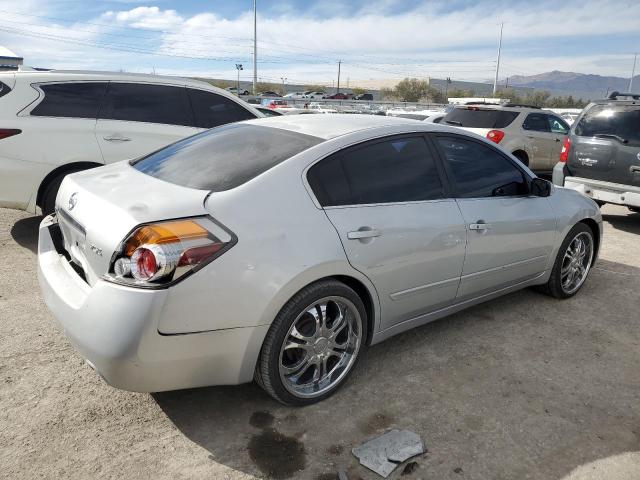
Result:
[474,117]
[224,157]
[621,122]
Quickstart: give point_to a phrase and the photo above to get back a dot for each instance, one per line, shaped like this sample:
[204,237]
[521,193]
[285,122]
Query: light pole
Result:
[495,81]
[633,72]
[255,47]
[284,80]
[238,67]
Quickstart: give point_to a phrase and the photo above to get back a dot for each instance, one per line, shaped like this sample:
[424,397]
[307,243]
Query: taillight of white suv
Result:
[564,153]
[495,136]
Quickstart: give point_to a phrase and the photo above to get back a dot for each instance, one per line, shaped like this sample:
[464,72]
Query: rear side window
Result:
[480,171]
[140,102]
[224,157]
[70,100]
[211,109]
[474,117]
[618,121]
[536,122]
[4,89]
[394,170]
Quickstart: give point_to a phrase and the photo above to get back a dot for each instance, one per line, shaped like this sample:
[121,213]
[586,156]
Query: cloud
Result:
[150,18]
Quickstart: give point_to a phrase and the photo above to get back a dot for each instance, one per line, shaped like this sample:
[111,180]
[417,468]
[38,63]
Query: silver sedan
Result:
[279,249]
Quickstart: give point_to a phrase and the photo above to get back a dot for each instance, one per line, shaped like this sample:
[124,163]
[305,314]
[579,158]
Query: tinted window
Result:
[395,170]
[474,117]
[557,125]
[76,100]
[480,171]
[211,109]
[225,157]
[623,121]
[147,103]
[537,122]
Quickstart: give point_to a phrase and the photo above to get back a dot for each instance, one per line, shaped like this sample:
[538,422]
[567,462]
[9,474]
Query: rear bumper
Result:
[605,191]
[115,328]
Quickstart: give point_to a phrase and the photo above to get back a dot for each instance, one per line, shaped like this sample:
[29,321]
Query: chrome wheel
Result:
[576,262]
[320,347]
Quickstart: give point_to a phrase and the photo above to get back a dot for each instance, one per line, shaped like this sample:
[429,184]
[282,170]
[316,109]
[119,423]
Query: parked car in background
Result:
[53,123]
[338,96]
[601,156]
[569,117]
[316,95]
[365,96]
[268,112]
[234,90]
[435,118]
[319,108]
[148,265]
[534,136]
[268,94]
[296,95]
[274,103]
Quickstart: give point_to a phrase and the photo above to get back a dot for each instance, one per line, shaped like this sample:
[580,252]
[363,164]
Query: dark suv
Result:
[601,156]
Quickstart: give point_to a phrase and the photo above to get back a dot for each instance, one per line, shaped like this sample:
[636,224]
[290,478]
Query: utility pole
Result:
[255,47]
[238,67]
[495,81]
[284,80]
[338,88]
[633,72]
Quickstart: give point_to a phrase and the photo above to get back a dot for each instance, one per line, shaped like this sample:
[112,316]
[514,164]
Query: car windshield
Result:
[615,121]
[474,117]
[225,157]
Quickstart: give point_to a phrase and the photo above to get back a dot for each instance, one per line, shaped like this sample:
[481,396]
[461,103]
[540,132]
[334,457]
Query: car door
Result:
[138,118]
[559,129]
[398,227]
[510,233]
[536,129]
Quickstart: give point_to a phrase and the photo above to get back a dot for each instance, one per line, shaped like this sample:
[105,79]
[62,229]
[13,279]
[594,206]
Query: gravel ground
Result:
[523,387]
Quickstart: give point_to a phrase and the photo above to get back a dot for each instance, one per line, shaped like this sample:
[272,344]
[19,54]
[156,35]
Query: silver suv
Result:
[534,136]
[601,156]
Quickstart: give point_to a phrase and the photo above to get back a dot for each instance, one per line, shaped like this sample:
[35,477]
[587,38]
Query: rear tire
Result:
[572,264]
[50,193]
[313,344]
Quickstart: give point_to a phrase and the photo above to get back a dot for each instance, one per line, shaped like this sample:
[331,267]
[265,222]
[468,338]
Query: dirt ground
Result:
[523,387]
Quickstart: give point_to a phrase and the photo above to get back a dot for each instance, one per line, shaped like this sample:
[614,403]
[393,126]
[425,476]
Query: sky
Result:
[302,41]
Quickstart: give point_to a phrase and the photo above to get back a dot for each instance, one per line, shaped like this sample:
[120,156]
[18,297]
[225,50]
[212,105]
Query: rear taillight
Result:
[564,153]
[9,132]
[158,254]
[495,135]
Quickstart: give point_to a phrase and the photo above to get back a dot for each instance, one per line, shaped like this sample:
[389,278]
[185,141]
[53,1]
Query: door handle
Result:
[634,169]
[481,225]
[117,138]
[360,234]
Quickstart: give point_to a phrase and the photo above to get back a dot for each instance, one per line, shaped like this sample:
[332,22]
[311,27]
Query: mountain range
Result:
[580,85]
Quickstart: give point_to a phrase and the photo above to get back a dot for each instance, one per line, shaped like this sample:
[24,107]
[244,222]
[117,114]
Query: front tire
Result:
[573,263]
[313,344]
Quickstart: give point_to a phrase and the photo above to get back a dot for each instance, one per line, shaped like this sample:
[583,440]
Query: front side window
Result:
[556,125]
[393,170]
[536,122]
[140,102]
[211,109]
[224,157]
[4,89]
[480,171]
[70,100]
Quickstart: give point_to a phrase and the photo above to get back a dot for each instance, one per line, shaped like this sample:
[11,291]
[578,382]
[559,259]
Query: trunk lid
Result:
[98,208]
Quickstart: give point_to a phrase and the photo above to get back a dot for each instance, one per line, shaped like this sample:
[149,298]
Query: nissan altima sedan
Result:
[279,249]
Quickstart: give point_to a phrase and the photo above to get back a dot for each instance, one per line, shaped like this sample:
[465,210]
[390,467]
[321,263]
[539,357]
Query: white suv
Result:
[54,123]
[534,136]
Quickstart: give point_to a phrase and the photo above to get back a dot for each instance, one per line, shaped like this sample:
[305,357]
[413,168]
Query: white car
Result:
[534,136]
[316,95]
[278,249]
[54,123]
[295,95]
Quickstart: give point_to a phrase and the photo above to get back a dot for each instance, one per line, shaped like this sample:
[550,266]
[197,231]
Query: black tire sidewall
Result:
[50,193]
[555,281]
[270,357]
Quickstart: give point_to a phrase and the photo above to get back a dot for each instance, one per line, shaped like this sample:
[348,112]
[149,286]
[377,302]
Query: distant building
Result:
[9,60]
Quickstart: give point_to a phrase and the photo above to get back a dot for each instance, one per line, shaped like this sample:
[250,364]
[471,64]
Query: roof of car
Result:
[330,126]
[59,75]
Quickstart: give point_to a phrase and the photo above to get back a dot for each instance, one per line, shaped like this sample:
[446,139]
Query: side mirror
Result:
[540,187]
